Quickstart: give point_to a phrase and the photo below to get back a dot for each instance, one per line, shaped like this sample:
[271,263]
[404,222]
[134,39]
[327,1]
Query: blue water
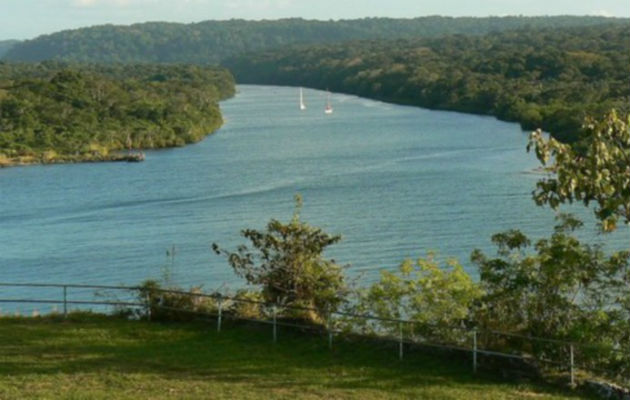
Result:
[394,181]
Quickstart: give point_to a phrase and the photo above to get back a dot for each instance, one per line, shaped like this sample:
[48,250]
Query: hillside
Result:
[6,45]
[91,357]
[54,112]
[209,42]
[542,78]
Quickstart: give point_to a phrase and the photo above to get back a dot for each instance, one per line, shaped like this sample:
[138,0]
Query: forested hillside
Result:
[542,78]
[5,45]
[53,112]
[210,42]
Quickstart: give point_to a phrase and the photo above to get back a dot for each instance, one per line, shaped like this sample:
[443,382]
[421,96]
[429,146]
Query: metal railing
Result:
[561,356]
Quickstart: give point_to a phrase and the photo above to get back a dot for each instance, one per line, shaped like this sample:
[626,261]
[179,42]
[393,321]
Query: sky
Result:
[26,19]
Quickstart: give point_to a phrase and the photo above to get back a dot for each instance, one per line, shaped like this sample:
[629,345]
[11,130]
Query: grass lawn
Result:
[97,357]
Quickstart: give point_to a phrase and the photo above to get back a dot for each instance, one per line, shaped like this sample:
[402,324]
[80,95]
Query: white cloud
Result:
[603,13]
[115,3]
[259,4]
[84,3]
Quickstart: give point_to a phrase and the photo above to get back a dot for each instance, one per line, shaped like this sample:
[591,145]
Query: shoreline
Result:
[116,156]
[31,161]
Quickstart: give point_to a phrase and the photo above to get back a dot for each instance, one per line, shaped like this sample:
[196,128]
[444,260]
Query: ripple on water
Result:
[395,181]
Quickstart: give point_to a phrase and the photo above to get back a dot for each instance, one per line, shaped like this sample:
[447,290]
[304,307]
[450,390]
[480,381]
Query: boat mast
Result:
[302,105]
[328,109]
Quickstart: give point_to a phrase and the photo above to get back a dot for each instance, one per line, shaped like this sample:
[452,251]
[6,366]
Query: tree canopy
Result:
[543,78]
[209,42]
[54,112]
[598,170]
[6,45]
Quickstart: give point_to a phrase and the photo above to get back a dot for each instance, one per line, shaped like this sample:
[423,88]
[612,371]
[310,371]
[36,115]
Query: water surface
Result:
[395,181]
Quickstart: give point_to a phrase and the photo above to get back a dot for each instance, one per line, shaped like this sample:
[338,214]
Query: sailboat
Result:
[302,105]
[328,109]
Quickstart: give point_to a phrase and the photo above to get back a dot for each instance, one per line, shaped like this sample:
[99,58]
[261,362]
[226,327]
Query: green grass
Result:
[97,357]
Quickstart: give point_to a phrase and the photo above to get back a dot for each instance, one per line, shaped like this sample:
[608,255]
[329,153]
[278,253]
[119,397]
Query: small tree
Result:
[287,262]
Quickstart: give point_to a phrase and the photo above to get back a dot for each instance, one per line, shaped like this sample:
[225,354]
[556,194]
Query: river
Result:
[395,181]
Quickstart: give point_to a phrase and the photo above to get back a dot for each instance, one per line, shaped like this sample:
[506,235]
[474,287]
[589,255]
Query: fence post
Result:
[220,312]
[475,350]
[65,301]
[275,329]
[329,327]
[400,343]
[572,365]
[149,307]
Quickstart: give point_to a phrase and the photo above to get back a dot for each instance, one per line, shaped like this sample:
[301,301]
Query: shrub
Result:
[287,263]
[173,304]
[438,299]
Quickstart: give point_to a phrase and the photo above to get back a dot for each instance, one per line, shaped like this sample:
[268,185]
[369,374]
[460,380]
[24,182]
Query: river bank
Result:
[31,160]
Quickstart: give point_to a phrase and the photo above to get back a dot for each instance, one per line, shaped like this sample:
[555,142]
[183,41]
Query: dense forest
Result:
[5,45]
[548,79]
[55,112]
[209,42]
[547,72]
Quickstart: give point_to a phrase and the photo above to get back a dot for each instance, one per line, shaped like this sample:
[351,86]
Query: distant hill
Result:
[210,42]
[6,45]
[542,78]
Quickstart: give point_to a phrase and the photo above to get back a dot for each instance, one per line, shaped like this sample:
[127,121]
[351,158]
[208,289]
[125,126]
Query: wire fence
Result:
[522,353]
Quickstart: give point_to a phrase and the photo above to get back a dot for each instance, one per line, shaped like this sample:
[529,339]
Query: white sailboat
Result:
[302,105]
[328,109]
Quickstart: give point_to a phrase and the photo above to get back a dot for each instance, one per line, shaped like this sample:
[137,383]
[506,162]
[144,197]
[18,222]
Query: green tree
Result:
[286,260]
[596,171]
[543,78]
[52,112]
[565,289]
[438,298]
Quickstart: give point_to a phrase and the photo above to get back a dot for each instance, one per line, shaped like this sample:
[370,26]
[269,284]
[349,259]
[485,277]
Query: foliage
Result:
[437,298]
[565,290]
[287,262]
[163,302]
[6,45]
[596,171]
[209,42]
[542,78]
[248,305]
[55,112]
[173,304]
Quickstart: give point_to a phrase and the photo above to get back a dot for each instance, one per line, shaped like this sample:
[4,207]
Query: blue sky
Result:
[24,19]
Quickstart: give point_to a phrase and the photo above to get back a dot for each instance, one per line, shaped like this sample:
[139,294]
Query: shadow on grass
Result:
[241,353]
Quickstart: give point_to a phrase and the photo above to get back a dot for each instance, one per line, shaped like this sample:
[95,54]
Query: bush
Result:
[438,299]
[564,290]
[287,263]
[173,304]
